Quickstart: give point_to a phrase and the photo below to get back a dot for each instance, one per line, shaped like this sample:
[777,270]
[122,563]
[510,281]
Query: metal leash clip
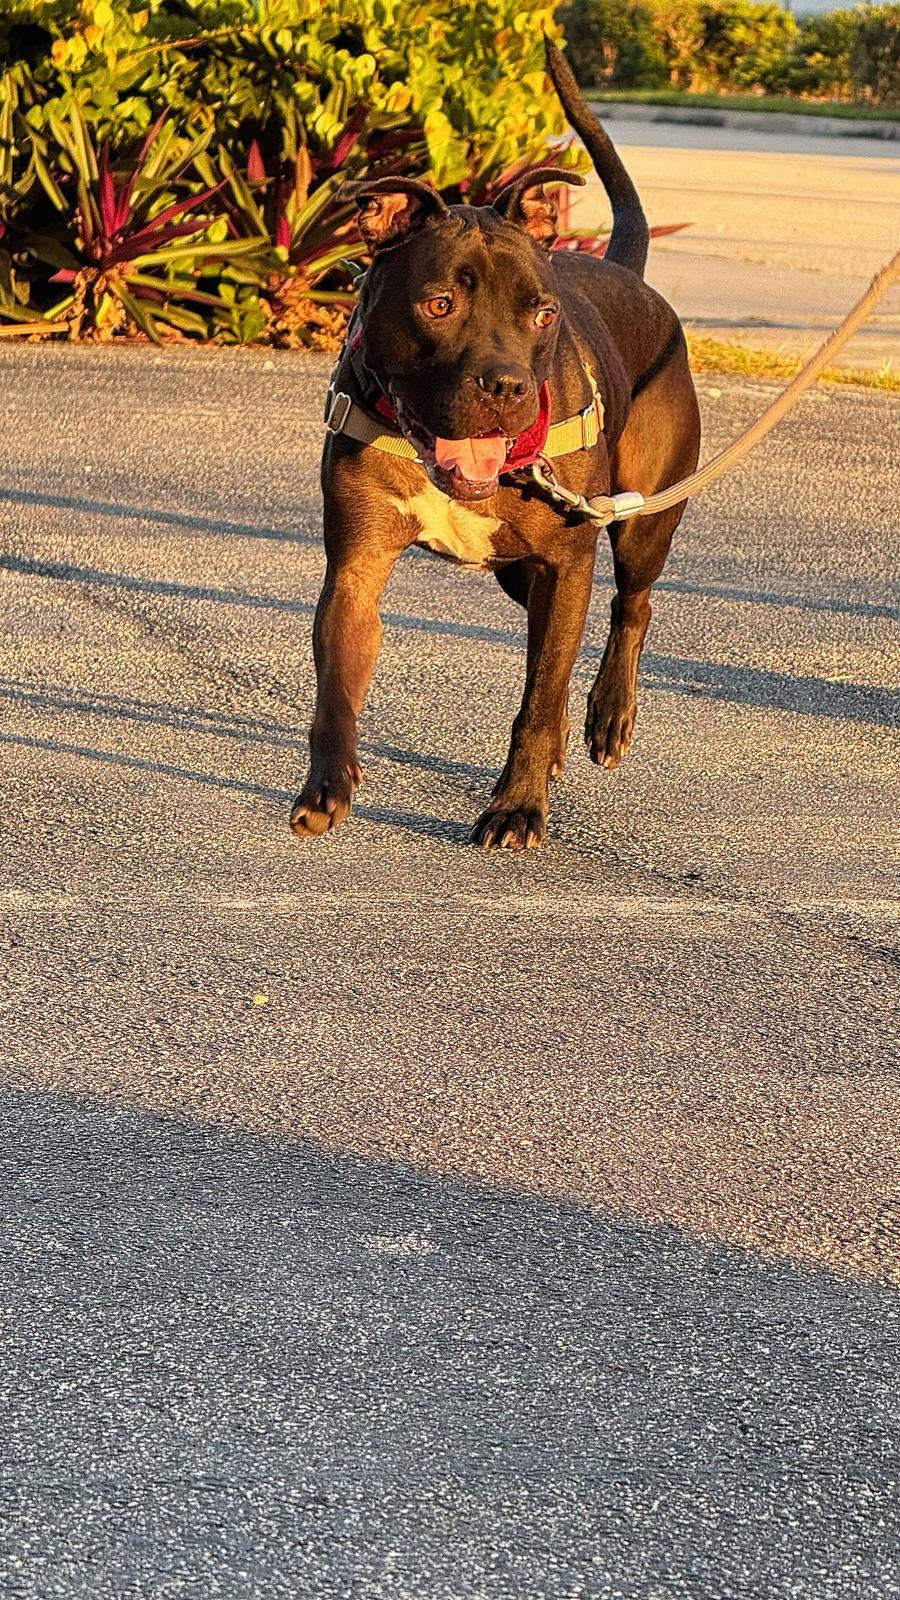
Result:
[603,508]
[543,474]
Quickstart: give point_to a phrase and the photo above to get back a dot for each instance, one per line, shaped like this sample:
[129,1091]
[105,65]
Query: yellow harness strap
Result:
[580,432]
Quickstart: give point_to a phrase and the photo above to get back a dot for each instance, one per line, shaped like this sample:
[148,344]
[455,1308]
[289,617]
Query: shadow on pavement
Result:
[242,1366]
[781,691]
[218,724]
[833,606]
[126,708]
[199,523]
[402,821]
[91,576]
[808,696]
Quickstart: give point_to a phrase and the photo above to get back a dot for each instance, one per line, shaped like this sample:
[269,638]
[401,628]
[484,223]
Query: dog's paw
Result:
[610,724]
[325,802]
[518,828]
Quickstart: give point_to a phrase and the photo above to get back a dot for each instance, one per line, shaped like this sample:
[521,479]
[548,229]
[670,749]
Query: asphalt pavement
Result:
[784,232]
[382,1218]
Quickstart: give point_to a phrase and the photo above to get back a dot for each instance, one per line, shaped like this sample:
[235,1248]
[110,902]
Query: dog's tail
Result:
[630,236]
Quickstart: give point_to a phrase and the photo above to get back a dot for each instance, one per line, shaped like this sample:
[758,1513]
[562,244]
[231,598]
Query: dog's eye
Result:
[439,306]
[545,316]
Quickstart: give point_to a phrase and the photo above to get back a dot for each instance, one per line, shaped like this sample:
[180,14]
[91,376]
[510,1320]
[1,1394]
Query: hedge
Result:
[736,45]
[170,166]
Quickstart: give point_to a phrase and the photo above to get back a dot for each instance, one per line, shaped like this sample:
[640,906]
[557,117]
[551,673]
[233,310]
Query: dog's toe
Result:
[608,746]
[520,828]
[608,728]
[322,806]
[558,761]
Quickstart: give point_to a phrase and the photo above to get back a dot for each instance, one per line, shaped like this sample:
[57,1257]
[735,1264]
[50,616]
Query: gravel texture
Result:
[386,1219]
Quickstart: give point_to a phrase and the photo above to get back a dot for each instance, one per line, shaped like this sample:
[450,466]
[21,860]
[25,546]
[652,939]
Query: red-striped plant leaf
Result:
[189,203]
[135,246]
[256,167]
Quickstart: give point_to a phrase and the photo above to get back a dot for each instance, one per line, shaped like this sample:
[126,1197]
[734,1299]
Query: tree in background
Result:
[744,45]
[733,46]
[875,54]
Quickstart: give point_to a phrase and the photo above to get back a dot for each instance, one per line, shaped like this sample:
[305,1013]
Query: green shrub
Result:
[613,42]
[736,45]
[819,60]
[278,101]
[731,43]
[252,65]
[875,56]
[678,29]
[744,45]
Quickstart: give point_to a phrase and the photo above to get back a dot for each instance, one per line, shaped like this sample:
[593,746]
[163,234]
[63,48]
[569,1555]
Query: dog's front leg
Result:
[362,548]
[558,598]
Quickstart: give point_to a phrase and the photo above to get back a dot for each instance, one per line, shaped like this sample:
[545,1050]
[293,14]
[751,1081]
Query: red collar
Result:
[527,446]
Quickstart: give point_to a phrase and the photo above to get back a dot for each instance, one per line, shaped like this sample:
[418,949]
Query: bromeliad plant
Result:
[130,246]
[303,284]
[299,94]
[232,228]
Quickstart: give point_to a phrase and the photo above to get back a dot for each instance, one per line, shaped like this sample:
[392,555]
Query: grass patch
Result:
[748,102]
[719,355]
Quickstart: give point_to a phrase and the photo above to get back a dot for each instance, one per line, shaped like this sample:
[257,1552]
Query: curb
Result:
[758,121]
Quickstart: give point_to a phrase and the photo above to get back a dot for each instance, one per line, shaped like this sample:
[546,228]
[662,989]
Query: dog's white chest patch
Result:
[450,528]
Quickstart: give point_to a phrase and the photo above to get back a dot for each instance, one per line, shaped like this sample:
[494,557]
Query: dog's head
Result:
[460,312]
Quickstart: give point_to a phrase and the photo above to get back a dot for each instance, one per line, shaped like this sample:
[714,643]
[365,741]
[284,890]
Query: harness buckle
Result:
[590,421]
[338,411]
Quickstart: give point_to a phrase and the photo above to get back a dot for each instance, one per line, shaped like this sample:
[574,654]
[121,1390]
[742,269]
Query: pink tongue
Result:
[476,459]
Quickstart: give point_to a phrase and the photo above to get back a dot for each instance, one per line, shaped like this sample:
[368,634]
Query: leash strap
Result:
[583,431]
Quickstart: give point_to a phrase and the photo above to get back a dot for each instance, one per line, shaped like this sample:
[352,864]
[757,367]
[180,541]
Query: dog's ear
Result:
[388,209]
[524,201]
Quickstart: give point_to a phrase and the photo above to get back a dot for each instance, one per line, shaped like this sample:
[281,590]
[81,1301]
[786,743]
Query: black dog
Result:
[471,339]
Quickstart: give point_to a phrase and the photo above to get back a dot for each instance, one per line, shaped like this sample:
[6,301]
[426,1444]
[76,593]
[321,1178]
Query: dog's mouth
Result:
[464,469]
[468,469]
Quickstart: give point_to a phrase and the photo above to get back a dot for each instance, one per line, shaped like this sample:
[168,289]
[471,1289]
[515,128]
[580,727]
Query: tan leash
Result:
[613,508]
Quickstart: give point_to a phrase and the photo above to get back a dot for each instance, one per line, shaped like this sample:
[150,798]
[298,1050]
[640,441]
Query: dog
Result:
[473,345]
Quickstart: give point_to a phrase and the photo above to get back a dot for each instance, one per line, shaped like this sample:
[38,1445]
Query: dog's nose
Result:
[504,380]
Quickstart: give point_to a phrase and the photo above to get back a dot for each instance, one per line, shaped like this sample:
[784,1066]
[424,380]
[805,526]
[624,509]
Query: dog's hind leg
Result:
[640,547]
[660,445]
[558,597]
[515,580]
